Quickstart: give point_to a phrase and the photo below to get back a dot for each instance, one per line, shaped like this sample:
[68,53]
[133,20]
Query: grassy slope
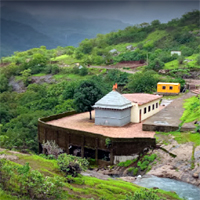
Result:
[66,59]
[151,38]
[175,65]
[83,187]
[182,137]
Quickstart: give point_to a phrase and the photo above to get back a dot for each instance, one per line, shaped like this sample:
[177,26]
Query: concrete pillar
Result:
[82,146]
[111,157]
[67,142]
[45,135]
[96,150]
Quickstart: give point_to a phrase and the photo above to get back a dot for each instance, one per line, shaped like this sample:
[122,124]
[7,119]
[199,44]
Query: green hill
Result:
[40,82]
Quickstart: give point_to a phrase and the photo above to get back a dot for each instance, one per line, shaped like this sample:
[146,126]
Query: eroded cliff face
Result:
[184,167]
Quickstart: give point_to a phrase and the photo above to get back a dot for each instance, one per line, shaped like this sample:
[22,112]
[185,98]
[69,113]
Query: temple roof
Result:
[141,98]
[113,100]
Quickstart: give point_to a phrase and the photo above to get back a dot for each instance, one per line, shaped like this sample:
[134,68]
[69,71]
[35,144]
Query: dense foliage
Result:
[143,82]
[24,182]
[69,87]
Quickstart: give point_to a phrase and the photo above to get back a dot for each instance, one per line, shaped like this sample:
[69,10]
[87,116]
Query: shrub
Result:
[126,163]
[181,59]
[133,170]
[22,181]
[83,71]
[143,194]
[143,165]
[52,148]
[198,60]
[72,165]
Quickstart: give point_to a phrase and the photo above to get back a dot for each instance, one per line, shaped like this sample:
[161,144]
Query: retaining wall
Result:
[66,137]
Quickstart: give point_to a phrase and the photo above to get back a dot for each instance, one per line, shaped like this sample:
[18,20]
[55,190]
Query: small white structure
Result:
[144,105]
[176,52]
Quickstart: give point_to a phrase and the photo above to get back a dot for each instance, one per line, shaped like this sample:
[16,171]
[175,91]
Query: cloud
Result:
[132,11]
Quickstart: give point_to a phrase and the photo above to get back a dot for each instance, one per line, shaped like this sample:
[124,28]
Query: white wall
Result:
[118,159]
[135,111]
[176,52]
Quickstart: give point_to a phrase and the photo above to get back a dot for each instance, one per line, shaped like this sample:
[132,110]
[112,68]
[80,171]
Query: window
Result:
[145,110]
[163,87]
[149,109]
[153,107]
[156,105]
[171,87]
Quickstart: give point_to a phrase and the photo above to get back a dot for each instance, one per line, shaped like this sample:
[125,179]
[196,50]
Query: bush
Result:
[52,148]
[143,194]
[72,165]
[133,171]
[198,60]
[181,59]
[144,164]
[83,71]
[22,181]
[126,163]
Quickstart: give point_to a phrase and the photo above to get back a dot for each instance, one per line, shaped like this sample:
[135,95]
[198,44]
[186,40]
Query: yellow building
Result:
[143,105]
[168,88]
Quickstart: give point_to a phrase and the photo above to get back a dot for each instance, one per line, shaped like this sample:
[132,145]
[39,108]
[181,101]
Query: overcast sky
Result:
[132,11]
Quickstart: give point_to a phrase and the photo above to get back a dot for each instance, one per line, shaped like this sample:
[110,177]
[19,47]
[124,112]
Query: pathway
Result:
[168,119]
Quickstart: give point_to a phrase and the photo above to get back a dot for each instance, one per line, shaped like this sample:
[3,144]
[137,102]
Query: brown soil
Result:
[129,64]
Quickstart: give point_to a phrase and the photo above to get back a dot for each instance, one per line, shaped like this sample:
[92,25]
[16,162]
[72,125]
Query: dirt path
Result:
[131,71]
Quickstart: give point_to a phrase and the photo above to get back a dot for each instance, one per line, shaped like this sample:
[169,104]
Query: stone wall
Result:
[66,138]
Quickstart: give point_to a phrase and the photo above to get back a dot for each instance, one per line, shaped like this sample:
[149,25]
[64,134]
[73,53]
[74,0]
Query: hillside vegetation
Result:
[40,82]
[27,168]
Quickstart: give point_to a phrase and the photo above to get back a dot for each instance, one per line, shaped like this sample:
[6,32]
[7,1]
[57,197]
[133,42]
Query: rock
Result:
[128,178]
[195,175]
[9,157]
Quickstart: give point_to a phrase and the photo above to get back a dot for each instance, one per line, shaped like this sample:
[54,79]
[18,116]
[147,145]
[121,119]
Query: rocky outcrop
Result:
[178,167]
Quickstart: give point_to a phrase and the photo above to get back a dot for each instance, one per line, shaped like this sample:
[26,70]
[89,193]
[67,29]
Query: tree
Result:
[155,23]
[143,82]
[156,64]
[26,76]
[86,95]
[198,60]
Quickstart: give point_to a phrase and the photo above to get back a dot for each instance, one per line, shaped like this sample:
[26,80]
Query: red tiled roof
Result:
[141,98]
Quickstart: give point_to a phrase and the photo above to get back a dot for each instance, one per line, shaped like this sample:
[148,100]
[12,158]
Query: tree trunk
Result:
[90,115]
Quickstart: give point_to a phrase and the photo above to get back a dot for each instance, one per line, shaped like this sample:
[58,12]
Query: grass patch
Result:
[47,167]
[66,59]
[154,36]
[40,74]
[174,64]
[126,163]
[182,137]
[83,187]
